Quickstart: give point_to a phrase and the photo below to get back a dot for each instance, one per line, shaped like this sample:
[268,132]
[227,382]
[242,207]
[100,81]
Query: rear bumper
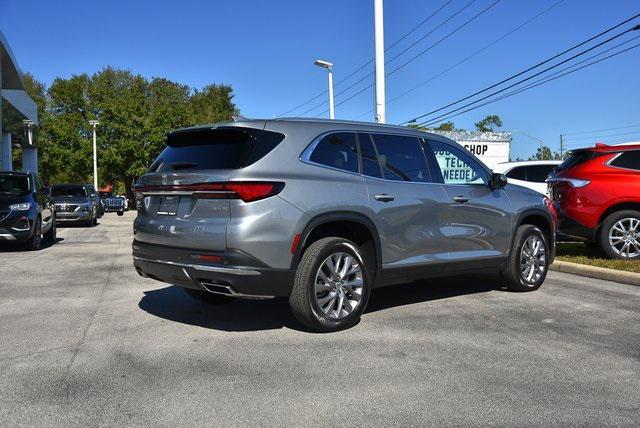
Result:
[113,209]
[236,274]
[568,228]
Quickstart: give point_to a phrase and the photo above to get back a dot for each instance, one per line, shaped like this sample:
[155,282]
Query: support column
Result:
[30,159]
[6,155]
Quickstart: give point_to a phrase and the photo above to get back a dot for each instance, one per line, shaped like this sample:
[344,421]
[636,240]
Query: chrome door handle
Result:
[384,197]
[460,199]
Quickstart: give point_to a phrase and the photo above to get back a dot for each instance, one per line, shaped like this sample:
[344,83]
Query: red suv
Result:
[596,192]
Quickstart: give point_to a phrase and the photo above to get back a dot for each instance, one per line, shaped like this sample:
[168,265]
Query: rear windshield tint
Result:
[220,148]
[576,158]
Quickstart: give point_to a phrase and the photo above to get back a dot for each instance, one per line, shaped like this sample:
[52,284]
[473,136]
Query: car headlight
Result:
[20,207]
[84,207]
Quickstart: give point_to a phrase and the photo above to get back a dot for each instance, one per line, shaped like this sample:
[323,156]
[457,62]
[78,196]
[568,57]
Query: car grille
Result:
[66,208]
[114,202]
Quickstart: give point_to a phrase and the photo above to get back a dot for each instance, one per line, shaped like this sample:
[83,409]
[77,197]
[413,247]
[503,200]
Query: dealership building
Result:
[18,114]
[491,147]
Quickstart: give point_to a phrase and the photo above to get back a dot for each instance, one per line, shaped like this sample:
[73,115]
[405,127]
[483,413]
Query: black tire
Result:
[50,236]
[634,235]
[208,298]
[514,275]
[120,213]
[34,243]
[303,299]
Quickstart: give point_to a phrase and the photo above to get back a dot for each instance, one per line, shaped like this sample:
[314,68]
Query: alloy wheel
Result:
[624,237]
[533,261]
[339,285]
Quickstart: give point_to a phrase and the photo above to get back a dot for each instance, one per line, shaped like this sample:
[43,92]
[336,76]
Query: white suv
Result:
[530,174]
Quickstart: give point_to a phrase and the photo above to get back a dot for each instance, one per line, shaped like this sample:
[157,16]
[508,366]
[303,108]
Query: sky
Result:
[265,50]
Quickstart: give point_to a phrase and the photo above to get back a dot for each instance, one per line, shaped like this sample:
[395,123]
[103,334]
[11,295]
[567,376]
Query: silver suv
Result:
[322,212]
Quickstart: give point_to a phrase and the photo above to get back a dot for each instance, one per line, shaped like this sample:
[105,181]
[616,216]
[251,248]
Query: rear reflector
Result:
[248,191]
[294,244]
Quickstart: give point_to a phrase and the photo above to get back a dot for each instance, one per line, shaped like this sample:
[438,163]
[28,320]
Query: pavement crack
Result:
[85,332]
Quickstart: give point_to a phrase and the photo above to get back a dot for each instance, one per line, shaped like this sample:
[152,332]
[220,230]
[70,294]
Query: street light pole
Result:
[95,123]
[329,66]
[381,116]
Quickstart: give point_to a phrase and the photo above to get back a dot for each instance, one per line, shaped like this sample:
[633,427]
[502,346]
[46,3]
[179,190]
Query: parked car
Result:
[26,210]
[74,204]
[531,174]
[113,203]
[322,212]
[596,191]
[95,196]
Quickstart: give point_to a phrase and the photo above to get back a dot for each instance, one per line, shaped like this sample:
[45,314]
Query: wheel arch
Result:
[543,220]
[619,206]
[317,227]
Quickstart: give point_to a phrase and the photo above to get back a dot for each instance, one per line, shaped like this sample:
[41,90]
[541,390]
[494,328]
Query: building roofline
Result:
[11,74]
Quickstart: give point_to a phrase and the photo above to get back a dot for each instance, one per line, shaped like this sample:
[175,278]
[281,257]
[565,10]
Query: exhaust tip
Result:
[212,287]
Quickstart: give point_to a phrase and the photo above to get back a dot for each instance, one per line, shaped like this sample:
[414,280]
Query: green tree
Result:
[134,115]
[445,126]
[489,123]
[545,153]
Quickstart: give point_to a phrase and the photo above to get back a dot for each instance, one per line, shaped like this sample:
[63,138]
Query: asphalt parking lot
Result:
[86,341]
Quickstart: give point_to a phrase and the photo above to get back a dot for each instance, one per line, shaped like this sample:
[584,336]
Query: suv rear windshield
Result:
[14,185]
[219,148]
[68,191]
[576,158]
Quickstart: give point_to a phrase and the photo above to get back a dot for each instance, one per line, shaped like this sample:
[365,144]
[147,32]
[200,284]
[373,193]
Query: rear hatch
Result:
[567,176]
[184,199]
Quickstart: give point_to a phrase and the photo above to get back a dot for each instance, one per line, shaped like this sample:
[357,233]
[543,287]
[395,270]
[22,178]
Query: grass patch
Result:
[579,253]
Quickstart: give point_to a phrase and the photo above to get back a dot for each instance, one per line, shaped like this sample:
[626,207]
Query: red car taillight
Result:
[248,191]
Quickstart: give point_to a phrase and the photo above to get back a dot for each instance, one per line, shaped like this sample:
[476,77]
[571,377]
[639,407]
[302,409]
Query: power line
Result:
[473,18]
[365,77]
[530,77]
[602,130]
[530,86]
[526,70]
[603,136]
[416,27]
[479,51]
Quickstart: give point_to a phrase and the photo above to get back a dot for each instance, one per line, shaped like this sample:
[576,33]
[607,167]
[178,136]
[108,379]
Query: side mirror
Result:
[498,181]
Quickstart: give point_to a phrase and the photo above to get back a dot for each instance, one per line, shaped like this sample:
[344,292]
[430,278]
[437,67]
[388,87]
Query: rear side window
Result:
[337,151]
[401,158]
[219,148]
[628,160]
[539,173]
[518,173]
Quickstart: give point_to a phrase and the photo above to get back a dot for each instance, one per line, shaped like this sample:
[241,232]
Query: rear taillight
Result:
[248,191]
[573,182]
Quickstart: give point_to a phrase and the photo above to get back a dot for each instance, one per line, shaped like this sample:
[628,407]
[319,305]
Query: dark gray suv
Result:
[322,212]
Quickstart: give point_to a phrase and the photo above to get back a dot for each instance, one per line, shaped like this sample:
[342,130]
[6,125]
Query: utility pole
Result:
[94,123]
[561,146]
[381,116]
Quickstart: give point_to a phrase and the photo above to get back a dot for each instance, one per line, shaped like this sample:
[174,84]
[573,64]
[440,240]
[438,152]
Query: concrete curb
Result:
[624,277]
